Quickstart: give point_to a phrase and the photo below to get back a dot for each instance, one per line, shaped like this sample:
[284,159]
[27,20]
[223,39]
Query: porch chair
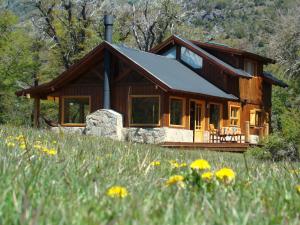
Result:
[213,134]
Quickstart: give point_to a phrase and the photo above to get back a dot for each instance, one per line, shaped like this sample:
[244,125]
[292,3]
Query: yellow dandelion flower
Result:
[175,180]
[200,164]
[207,176]
[175,164]
[155,163]
[117,192]
[225,174]
[44,149]
[10,144]
[51,151]
[22,146]
[298,188]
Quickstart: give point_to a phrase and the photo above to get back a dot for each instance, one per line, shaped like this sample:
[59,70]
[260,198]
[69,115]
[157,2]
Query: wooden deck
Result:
[222,147]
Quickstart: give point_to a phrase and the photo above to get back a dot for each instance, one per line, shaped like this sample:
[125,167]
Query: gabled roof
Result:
[225,48]
[191,46]
[272,79]
[169,74]
[172,73]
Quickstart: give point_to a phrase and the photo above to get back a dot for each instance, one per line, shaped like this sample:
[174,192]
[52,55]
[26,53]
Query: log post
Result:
[247,131]
[36,112]
[266,129]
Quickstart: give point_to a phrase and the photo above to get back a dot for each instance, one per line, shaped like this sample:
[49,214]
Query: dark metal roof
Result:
[236,70]
[273,79]
[172,73]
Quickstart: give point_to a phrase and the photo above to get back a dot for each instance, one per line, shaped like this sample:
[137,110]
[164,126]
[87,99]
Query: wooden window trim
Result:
[221,112]
[261,111]
[183,111]
[130,111]
[63,110]
[238,118]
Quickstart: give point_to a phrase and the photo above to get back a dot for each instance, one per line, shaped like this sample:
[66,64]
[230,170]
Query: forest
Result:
[40,39]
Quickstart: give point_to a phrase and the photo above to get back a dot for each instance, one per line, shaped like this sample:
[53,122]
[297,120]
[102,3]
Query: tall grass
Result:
[70,187]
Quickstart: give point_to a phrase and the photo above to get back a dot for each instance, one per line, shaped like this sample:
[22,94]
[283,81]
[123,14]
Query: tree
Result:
[150,21]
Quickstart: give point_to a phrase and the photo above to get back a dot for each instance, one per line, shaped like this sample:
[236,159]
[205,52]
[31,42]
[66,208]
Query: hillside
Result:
[64,179]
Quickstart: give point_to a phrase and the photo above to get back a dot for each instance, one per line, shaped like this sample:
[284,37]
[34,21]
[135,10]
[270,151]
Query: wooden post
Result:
[266,129]
[247,131]
[36,112]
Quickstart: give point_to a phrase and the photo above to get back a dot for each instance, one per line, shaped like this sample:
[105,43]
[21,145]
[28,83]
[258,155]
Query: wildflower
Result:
[10,144]
[51,151]
[175,164]
[22,146]
[176,180]
[207,176]
[117,192]
[200,164]
[298,188]
[225,174]
[155,163]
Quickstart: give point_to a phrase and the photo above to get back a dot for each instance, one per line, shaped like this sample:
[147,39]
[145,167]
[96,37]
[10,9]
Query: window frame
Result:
[238,118]
[254,65]
[183,111]
[261,119]
[141,124]
[63,110]
[186,63]
[221,113]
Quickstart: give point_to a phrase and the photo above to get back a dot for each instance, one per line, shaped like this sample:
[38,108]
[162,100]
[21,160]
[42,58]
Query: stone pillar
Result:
[247,131]
[105,123]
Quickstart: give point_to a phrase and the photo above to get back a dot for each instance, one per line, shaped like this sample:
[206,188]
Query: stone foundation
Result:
[157,135]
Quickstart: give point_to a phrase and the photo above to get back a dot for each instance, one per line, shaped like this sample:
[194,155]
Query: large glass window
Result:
[145,110]
[75,109]
[191,58]
[234,116]
[171,53]
[176,111]
[215,115]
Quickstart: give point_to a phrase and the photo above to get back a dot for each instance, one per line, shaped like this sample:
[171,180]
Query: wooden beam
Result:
[36,112]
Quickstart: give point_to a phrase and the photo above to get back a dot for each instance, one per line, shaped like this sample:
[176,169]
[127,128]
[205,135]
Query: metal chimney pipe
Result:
[108,23]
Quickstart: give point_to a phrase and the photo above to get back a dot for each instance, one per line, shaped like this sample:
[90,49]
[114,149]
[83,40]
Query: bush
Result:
[277,147]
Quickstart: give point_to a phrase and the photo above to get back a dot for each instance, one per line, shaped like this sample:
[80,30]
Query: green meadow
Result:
[48,178]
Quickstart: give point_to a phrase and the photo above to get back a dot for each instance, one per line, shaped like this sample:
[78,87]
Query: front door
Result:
[197,120]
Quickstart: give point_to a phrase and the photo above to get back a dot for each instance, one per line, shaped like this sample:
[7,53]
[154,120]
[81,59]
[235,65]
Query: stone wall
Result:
[157,135]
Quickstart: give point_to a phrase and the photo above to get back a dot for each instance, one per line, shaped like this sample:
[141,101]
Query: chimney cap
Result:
[108,20]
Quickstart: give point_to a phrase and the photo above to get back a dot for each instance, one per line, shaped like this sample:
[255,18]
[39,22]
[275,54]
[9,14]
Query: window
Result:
[250,67]
[256,118]
[171,53]
[234,116]
[215,115]
[145,110]
[75,109]
[176,111]
[191,58]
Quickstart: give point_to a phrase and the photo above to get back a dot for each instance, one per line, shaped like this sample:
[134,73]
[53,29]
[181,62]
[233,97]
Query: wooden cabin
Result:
[210,92]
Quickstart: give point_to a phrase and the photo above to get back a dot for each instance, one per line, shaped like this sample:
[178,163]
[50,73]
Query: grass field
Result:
[48,178]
